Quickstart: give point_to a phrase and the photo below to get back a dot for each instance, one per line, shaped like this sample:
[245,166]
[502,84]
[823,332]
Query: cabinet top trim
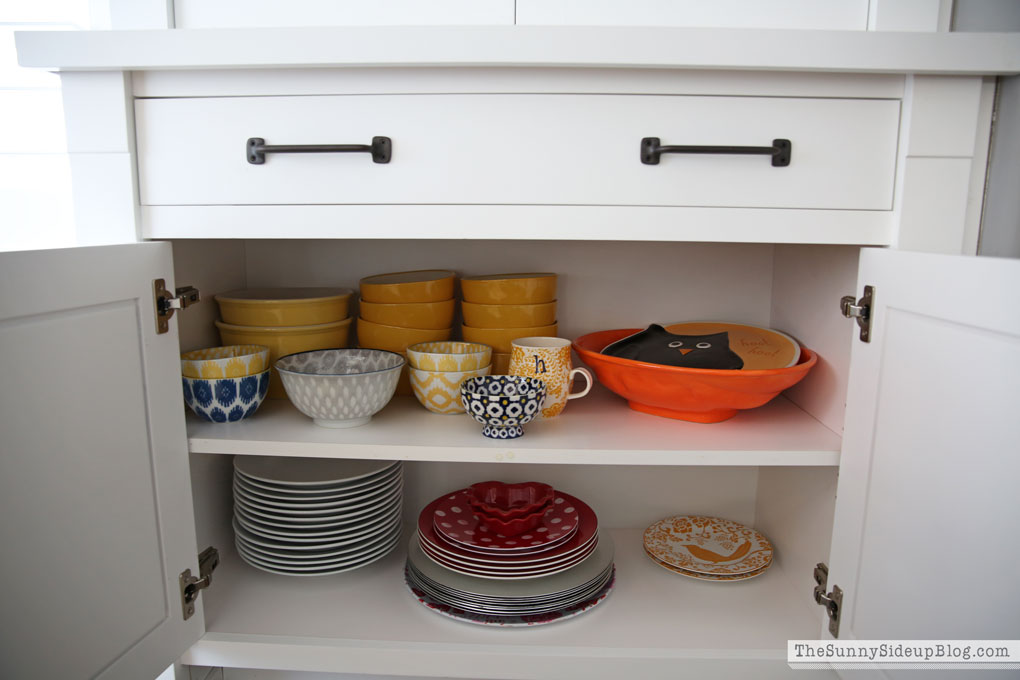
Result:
[530,46]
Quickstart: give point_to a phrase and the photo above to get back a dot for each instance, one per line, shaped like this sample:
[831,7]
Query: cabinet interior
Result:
[793,288]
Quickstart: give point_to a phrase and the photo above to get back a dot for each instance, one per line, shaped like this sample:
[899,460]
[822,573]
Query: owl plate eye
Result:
[675,344]
[703,345]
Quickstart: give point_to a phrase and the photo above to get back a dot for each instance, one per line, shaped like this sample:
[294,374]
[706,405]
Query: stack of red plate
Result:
[452,535]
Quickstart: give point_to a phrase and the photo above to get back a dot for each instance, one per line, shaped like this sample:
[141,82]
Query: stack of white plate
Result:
[460,568]
[315,516]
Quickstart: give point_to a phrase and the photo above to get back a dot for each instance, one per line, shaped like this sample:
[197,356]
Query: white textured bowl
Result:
[340,387]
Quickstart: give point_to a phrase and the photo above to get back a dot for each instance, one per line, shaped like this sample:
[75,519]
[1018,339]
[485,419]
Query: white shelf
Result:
[365,621]
[542,46]
[599,429]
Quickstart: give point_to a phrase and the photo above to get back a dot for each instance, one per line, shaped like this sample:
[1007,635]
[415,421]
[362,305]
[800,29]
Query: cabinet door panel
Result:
[97,519]
[926,514]
[519,149]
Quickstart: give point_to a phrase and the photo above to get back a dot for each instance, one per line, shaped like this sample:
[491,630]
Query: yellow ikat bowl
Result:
[233,361]
[449,356]
[439,391]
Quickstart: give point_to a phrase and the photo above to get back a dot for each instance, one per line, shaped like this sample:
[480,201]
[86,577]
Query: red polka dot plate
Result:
[451,516]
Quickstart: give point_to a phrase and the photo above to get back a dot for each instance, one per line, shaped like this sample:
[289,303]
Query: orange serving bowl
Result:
[700,395]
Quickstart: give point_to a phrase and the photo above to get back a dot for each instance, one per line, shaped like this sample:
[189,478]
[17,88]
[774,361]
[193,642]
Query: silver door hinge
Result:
[860,310]
[191,586]
[167,303]
[832,601]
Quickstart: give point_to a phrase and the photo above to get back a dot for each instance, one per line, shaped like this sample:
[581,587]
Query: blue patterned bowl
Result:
[226,400]
[502,403]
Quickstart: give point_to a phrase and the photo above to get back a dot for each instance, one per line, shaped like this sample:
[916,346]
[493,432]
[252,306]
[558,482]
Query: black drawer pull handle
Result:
[381,149]
[780,151]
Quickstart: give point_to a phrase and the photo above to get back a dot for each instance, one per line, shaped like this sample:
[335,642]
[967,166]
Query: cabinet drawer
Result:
[518,149]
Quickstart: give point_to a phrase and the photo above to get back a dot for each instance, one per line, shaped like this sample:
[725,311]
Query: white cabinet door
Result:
[97,519]
[925,536]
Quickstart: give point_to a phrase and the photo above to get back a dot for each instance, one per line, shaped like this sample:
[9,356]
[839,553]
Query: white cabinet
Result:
[255,13]
[729,256]
[850,15]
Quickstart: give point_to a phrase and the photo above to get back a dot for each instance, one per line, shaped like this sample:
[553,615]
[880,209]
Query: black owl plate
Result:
[709,344]
[656,345]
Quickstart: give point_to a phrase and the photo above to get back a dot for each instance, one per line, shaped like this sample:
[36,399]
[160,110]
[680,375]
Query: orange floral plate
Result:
[709,577]
[707,545]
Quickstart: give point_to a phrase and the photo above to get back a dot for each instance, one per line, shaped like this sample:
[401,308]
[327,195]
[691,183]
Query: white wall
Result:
[35,180]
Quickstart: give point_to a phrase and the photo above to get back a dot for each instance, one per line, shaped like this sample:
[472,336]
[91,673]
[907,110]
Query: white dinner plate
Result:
[319,518]
[327,526]
[319,537]
[291,472]
[350,503]
[255,539]
[338,568]
[349,552]
[288,496]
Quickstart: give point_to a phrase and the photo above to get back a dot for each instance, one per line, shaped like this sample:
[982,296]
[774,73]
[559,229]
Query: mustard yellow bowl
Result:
[428,315]
[449,356]
[439,391]
[284,306]
[509,289]
[394,338]
[500,338]
[234,361]
[501,363]
[285,340]
[423,285]
[478,315]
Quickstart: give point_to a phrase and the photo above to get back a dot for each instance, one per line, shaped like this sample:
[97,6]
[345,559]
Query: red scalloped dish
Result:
[506,502]
[700,395]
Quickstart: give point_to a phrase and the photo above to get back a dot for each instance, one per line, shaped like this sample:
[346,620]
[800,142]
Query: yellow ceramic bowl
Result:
[235,361]
[424,285]
[500,363]
[284,306]
[439,391]
[430,315]
[478,315]
[394,338]
[448,356]
[509,289]
[500,338]
[282,341]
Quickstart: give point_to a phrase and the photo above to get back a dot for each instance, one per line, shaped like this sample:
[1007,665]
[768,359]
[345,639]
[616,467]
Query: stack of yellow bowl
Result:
[286,320]
[400,309]
[438,368]
[499,308]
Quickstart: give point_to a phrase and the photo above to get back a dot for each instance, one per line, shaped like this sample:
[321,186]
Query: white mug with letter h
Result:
[548,359]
